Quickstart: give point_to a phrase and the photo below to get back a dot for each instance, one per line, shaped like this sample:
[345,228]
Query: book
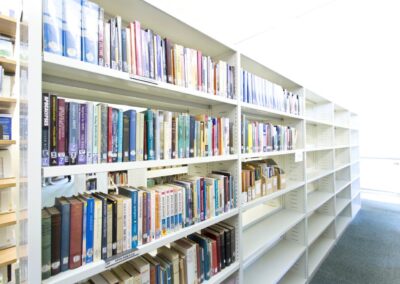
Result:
[82,135]
[143,267]
[46,244]
[73,133]
[63,206]
[53,26]
[53,130]
[72,11]
[75,247]
[61,132]
[55,216]
[90,32]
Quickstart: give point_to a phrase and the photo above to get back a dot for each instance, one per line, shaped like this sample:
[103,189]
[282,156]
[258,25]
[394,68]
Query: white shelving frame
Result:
[292,231]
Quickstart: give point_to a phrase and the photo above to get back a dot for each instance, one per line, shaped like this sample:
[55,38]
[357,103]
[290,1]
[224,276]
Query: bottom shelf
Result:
[292,278]
[8,256]
[223,274]
[317,252]
[274,264]
[341,224]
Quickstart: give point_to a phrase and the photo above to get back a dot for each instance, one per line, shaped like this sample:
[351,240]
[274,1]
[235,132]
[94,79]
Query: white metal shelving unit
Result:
[282,237]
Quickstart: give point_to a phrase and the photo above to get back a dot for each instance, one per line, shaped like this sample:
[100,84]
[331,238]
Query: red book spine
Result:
[214,261]
[199,69]
[109,135]
[138,48]
[75,237]
[61,132]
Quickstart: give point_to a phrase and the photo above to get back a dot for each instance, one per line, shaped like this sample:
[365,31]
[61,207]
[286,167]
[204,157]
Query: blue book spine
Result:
[52,26]
[132,136]
[6,124]
[181,136]
[90,34]
[172,215]
[176,216]
[198,192]
[150,134]
[187,136]
[120,135]
[73,132]
[216,194]
[89,229]
[148,221]
[65,222]
[72,28]
[204,198]
[124,52]
[159,58]
[204,245]
[82,134]
[114,133]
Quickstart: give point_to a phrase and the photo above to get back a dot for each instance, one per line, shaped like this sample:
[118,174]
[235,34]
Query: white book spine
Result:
[89,133]
[153,215]
[95,134]
[128,49]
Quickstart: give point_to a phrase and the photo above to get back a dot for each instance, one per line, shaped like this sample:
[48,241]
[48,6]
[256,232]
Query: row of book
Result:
[89,133]
[261,92]
[264,136]
[6,83]
[92,226]
[78,29]
[193,259]
[260,178]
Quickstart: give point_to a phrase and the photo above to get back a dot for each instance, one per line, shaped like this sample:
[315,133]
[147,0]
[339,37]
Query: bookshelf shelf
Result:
[341,203]
[272,228]
[273,265]
[8,256]
[108,167]
[86,271]
[255,110]
[8,26]
[318,252]
[6,102]
[8,64]
[289,187]
[6,143]
[263,155]
[81,80]
[278,236]
[317,223]
[316,199]
[8,219]
[7,182]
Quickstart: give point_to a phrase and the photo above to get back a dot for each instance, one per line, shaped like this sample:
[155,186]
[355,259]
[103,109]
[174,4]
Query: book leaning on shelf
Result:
[88,133]
[93,226]
[193,259]
[78,29]
[261,92]
[260,136]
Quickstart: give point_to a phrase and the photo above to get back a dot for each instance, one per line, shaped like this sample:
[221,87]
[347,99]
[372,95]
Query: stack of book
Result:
[261,178]
[117,178]
[194,259]
[89,227]
[88,133]
[260,137]
[78,29]
[261,92]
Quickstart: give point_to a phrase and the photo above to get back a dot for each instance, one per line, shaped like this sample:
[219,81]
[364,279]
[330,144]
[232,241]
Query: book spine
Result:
[120,135]
[114,133]
[103,133]
[72,28]
[83,243]
[65,229]
[138,48]
[181,138]
[107,45]
[187,135]
[114,228]
[95,134]
[150,42]
[46,245]
[61,132]
[53,26]
[134,219]
[126,128]
[73,132]
[150,134]
[144,218]
[100,27]
[109,229]
[132,135]
[82,134]
[169,61]
[53,130]
[75,248]
[90,32]
[89,133]
[132,48]
[104,226]
[119,41]
[113,44]
[89,230]
[156,125]
[124,51]
[66,135]
[109,134]
[55,244]
[45,130]
[140,217]
[128,50]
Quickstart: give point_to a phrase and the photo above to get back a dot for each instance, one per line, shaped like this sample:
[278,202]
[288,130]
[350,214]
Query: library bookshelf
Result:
[280,238]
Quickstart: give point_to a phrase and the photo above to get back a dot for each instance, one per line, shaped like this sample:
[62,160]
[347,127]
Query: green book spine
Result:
[46,244]
[181,138]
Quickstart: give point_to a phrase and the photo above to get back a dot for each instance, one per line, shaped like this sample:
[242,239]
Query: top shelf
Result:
[8,26]
[82,80]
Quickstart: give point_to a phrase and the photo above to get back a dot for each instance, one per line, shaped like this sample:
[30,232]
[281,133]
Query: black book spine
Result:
[104,229]
[53,130]
[114,228]
[228,248]
[45,130]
